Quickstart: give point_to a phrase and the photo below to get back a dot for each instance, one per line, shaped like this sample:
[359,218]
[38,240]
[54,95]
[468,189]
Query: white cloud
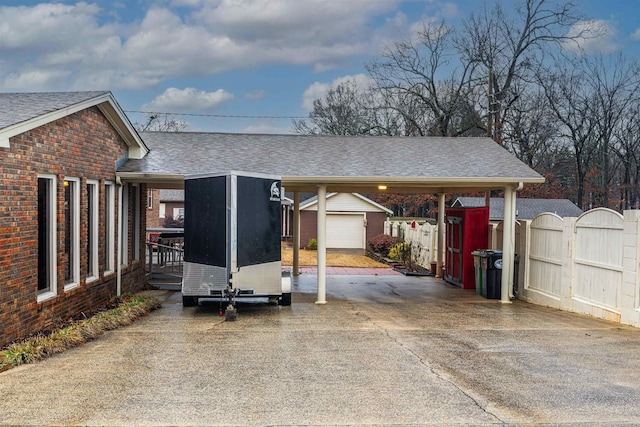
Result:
[256,94]
[36,79]
[319,90]
[218,36]
[592,36]
[175,100]
[636,34]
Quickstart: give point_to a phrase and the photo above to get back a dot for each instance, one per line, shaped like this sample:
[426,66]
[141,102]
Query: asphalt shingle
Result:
[184,153]
[19,107]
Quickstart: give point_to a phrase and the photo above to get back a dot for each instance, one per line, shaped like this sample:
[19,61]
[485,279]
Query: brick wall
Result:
[85,146]
[153,213]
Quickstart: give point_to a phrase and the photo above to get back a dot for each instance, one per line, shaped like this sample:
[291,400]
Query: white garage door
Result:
[345,231]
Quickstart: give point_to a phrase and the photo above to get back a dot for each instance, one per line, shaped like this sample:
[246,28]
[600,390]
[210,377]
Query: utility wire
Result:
[226,116]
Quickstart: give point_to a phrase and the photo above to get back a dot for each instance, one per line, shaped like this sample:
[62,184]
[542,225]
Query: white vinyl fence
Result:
[422,237]
[588,265]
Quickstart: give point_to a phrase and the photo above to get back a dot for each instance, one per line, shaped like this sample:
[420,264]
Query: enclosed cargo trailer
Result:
[232,238]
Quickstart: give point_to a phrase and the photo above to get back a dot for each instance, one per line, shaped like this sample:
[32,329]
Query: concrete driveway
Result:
[385,350]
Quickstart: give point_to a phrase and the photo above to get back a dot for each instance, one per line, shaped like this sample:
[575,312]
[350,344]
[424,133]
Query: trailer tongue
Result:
[232,239]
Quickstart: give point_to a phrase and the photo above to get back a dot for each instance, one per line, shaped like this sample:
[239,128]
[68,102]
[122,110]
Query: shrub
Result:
[382,243]
[42,346]
[312,245]
[400,252]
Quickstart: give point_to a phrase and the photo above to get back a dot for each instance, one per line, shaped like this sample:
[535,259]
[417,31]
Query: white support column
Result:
[296,233]
[441,235]
[322,244]
[512,264]
[508,245]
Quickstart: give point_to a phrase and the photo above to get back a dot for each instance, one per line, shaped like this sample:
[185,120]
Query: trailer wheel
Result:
[189,301]
[285,299]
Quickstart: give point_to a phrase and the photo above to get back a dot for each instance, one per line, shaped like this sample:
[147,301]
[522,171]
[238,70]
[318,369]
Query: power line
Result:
[225,116]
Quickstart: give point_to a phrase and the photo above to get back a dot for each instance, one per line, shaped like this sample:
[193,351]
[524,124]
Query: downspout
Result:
[119,248]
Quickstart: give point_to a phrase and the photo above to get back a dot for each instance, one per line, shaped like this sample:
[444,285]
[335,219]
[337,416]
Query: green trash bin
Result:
[477,264]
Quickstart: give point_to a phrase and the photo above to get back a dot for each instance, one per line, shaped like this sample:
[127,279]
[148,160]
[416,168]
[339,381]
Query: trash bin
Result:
[492,274]
[477,264]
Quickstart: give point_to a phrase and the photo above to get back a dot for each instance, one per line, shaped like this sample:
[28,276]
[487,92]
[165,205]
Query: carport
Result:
[362,164]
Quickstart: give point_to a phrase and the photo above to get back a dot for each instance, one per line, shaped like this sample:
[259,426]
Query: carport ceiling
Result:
[343,163]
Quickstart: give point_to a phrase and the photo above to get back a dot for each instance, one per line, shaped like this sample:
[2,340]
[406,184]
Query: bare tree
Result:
[615,84]
[573,105]
[158,122]
[343,111]
[628,151]
[509,47]
[531,129]
[426,83]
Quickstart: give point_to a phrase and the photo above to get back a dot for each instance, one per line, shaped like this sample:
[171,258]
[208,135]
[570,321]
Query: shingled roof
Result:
[525,208]
[19,107]
[344,163]
[23,111]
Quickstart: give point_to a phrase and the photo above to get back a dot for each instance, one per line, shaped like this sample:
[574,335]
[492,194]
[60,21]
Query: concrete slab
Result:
[385,350]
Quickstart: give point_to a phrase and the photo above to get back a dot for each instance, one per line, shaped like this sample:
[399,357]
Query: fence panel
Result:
[422,238]
[545,255]
[599,237]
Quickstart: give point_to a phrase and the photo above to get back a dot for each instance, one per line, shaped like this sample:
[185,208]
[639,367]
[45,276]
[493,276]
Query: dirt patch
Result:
[310,258]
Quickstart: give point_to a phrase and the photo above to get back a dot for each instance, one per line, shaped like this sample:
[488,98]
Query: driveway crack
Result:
[424,363]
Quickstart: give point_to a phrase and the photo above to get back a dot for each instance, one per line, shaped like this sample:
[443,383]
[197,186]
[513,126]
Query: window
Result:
[178,213]
[91,221]
[135,191]
[109,226]
[46,237]
[150,198]
[71,254]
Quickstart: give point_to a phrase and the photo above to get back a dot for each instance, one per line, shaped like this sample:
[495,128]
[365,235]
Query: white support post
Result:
[508,244]
[296,233]
[322,244]
[441,235]
[512,264]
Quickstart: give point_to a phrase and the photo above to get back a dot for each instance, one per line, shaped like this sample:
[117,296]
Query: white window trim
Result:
[94,231]
[75,234]
[135,190]
[178,213]
[124,223]
[53,239]
[109,222]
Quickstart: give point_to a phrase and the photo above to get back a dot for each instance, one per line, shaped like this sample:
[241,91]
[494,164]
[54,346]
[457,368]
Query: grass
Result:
[42,346]
[310,258]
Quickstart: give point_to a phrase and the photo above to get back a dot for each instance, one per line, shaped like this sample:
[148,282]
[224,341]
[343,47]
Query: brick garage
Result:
[70,139]
[352,220]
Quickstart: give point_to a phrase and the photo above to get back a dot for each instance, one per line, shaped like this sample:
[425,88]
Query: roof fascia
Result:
[371,202]
[308,203]
[119,120]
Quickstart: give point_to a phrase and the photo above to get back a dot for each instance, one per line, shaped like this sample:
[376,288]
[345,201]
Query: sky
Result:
[231,65]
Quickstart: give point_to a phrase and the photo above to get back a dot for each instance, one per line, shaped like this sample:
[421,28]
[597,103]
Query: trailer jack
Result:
[231,311]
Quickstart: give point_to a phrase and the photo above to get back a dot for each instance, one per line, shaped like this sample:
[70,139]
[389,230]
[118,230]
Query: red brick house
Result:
[71,233]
